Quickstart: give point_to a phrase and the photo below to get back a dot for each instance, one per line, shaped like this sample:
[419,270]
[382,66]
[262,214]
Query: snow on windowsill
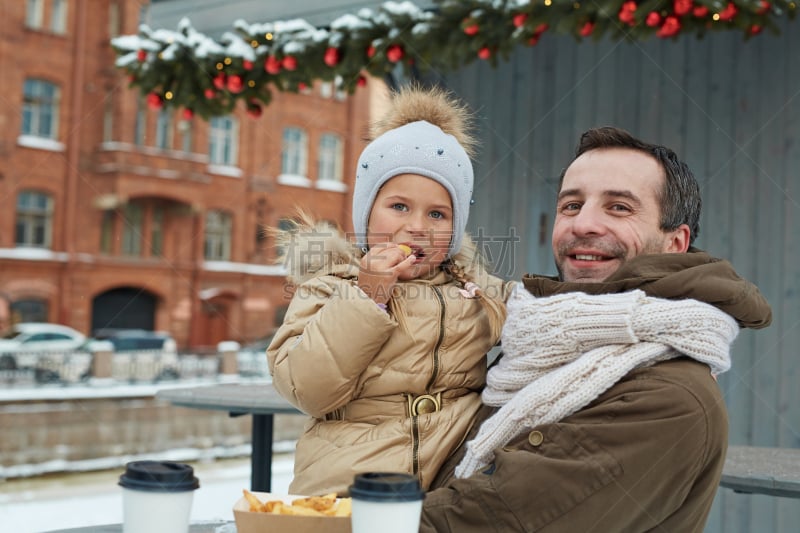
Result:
[225,170]
[245,268]
[40,143]
[331,185]
[294,180]
[29,253]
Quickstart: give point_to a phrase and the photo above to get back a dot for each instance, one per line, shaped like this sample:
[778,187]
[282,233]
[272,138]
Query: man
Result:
[607,421]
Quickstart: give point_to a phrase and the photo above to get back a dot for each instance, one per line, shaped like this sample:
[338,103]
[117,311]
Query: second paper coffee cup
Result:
[387,502]
[157,496]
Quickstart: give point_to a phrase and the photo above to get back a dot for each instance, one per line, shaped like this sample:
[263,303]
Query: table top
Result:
[753,469]
[197,527]
[240,398]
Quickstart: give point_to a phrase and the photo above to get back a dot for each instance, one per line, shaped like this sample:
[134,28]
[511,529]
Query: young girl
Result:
[384,343]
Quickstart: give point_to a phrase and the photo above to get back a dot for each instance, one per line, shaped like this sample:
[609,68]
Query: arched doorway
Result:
[124,308]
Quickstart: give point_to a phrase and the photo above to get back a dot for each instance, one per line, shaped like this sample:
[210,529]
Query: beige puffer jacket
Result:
[348,364]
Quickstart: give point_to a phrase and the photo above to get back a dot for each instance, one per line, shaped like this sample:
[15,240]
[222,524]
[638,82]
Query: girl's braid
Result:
[458,272]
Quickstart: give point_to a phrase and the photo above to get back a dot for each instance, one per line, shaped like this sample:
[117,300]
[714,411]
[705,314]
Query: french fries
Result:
[327,505]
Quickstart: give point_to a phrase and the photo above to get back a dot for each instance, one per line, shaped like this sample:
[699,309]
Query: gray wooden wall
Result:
[731,109]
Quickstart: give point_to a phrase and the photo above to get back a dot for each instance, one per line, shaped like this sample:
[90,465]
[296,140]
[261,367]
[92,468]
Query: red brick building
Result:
[116,215]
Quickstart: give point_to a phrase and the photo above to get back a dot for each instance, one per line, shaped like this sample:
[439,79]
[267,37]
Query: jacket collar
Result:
[695,275]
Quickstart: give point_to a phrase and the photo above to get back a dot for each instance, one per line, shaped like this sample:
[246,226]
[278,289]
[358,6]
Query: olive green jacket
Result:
[645,455]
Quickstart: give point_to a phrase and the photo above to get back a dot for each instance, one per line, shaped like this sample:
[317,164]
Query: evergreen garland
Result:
[186,69]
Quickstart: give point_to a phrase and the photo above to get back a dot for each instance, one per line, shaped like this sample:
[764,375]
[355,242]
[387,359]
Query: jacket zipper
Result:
[434,375]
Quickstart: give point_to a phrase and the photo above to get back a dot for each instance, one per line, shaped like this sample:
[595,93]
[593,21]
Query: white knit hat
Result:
[415,148]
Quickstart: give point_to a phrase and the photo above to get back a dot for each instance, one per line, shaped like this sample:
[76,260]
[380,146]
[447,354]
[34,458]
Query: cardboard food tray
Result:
[250,522]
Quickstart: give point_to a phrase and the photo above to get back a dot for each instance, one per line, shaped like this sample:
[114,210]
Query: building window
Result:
[164,130]
[295,152]
[223,141]
[114,22]
[218,236]
[34,13]
[40,109]
[108,120]
[31,310]
[331,155]
[140,126]
[132,220]
[34,219]
[107,231]
[58,16]
[157,231]
[185,126]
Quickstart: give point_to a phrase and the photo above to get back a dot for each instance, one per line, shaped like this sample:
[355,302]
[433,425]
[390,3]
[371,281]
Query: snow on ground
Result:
[37,505]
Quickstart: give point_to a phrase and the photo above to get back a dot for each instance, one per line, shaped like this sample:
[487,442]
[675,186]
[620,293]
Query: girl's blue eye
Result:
[437,214]
[400,207]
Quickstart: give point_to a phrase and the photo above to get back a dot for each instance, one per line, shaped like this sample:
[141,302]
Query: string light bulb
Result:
[227,60]
[168,95]
[220,66]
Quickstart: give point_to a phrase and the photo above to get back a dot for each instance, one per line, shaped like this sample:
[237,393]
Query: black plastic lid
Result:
[386,487]
[159,476]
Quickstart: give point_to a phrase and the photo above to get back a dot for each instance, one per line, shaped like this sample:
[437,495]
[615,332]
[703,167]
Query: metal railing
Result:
[141,366]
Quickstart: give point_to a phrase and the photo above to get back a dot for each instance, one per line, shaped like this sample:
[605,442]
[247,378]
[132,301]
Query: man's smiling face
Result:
[608,212]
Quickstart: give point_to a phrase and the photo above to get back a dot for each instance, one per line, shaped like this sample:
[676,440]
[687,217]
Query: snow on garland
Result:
[187,69]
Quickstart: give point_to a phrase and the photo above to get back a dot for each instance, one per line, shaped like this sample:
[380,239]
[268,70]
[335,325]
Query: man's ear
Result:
[678,240]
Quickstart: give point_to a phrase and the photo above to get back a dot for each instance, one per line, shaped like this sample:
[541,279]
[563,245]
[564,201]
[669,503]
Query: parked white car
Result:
[138,355]
[23,342]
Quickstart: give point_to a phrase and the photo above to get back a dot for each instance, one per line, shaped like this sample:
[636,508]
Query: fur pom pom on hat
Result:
[423,133]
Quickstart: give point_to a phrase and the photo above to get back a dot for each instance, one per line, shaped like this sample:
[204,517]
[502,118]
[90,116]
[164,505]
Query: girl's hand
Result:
[380,267]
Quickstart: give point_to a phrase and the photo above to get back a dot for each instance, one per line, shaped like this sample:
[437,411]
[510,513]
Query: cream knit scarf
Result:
[561,352]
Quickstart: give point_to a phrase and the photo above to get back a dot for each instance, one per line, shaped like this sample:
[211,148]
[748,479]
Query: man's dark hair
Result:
[679,199]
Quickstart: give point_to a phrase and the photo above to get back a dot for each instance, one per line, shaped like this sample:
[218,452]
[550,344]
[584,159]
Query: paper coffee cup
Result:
[387,502]
[157,496]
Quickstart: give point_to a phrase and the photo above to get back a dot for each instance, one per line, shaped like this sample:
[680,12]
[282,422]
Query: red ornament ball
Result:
[154,101]
[141,55]
[700,11]
[670,27]
[331,57]
[220,81]
[395,53]
[484,53]
[653,19]
[235,84]
[289,63]
[728,13]
[371,51]
[188,114]
[472,29]
[519,19]
[587,29]
[682,7]
[362,81]
[627,13]
[209,93]
[272,65]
